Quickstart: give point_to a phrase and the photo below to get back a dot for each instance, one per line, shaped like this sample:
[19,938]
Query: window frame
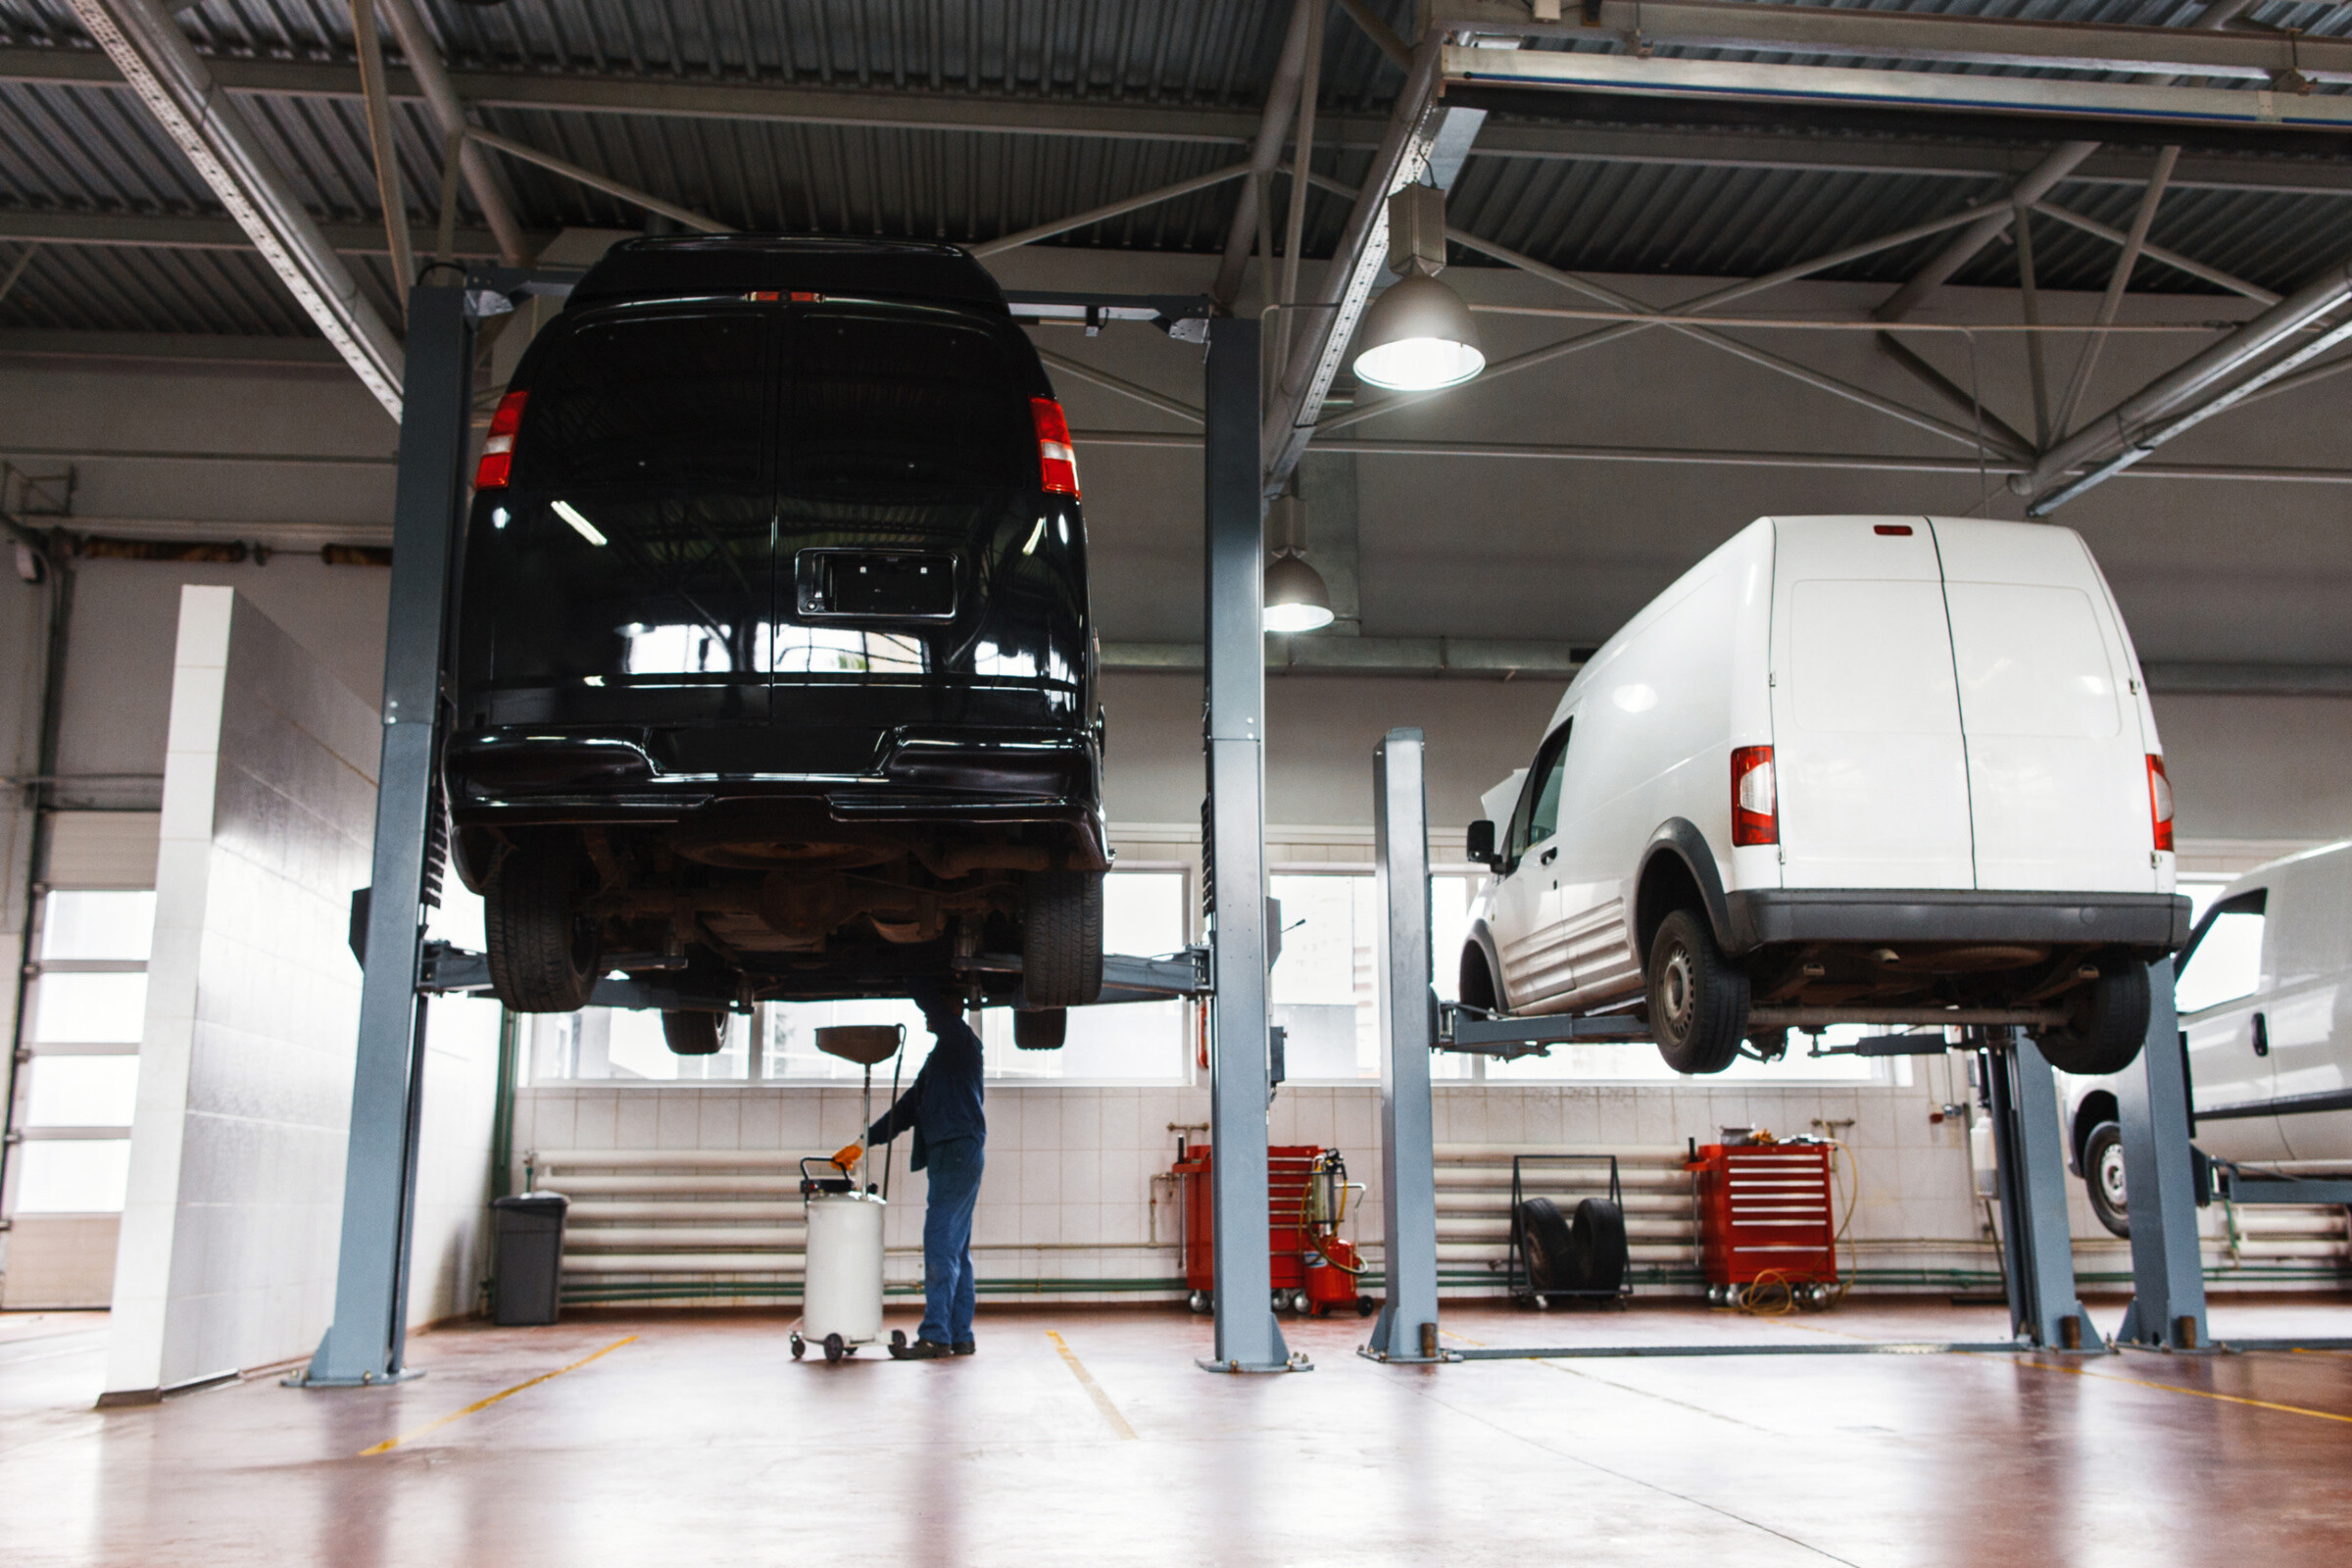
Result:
[2255,901]
[1553,753]
[33,1048]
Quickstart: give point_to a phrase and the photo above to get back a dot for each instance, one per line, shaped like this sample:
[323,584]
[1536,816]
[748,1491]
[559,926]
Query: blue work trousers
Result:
[953,1165]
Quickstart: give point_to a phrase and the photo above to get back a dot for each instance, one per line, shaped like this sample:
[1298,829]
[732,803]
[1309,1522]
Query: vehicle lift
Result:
[2168,1308]
[365,1345]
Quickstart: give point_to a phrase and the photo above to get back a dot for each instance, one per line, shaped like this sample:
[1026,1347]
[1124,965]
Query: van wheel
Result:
[2103,1174]
[2108,1025]
[1062,938]
[1042,1029]
[691,1034]
[543,954]
[1698,996]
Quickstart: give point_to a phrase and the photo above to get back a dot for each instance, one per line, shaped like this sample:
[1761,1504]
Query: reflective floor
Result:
[1087,1437]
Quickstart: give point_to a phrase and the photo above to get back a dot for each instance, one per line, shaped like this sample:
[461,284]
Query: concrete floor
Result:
[1087,1437]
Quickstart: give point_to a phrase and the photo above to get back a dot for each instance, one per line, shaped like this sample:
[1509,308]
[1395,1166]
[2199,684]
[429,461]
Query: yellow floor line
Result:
[1094,1390]
[389,1444]
[2196,1394]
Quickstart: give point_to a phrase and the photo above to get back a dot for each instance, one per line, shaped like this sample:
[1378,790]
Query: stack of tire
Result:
[1571,1256]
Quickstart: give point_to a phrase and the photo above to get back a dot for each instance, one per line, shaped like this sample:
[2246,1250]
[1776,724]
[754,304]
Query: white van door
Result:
[2308,1012]
[1528,938]
[2222,997]
[1872,774]
[2057,765]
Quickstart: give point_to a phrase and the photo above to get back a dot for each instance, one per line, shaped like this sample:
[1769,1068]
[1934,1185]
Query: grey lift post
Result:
[1407,1329]
[2168,1273]
[2042,1305]
[365,1345]
[1248,1340]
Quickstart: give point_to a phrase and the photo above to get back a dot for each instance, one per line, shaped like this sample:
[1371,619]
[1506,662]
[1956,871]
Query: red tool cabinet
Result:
[1767,1207]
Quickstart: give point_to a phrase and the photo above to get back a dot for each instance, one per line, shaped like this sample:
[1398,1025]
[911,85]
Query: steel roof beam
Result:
[1001,114]
[448,110]
[1854,32]
[181,95]
[1265,150]
[160,232]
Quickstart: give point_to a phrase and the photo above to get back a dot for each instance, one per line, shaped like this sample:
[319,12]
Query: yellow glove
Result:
[848,1158]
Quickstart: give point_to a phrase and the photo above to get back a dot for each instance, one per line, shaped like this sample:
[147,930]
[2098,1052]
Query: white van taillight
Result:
[498,448]
[1755,802]
[1056,460]
[2160,801]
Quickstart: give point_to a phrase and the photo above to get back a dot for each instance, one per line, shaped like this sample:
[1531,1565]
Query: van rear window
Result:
[902,402]
[655,399]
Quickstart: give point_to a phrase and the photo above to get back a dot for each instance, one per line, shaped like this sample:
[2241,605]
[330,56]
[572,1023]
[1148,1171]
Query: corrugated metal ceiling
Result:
[91,149]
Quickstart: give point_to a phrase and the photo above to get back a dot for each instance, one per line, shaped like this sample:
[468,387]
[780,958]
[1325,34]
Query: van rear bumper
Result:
[2156,922]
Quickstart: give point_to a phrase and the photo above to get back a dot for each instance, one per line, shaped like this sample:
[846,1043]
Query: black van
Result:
[775,671]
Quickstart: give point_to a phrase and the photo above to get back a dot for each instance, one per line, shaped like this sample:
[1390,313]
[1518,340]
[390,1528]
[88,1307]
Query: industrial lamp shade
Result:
[1418,337]
[1296,598]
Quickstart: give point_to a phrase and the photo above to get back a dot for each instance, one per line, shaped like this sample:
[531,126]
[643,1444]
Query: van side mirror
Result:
[1481,839]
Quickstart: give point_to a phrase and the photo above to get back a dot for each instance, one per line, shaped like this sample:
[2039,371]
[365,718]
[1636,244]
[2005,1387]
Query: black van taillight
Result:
[2160,801]
[498,448]
[1056,460]
[1755,801]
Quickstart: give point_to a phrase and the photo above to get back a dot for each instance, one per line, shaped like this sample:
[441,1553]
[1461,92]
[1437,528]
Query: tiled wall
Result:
[1068,1195]
[227,1248]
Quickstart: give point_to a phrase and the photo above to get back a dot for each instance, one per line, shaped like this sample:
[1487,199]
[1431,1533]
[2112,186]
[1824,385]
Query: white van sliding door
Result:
[1865,718]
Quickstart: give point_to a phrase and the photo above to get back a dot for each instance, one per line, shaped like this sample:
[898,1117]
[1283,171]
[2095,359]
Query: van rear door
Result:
[2057,765]
[1873,778]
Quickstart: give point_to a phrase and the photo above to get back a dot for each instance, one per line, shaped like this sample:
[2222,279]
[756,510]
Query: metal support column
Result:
[1407,1329]
[2168,1273]
[366,1342]
[2043,1310]
[1248,1340]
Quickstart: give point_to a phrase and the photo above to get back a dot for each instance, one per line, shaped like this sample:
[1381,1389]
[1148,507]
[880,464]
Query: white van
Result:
[2266,1003]
[1896,770]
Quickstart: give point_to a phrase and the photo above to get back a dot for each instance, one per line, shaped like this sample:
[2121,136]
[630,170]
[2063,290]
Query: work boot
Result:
[919,1351]
[965,1346]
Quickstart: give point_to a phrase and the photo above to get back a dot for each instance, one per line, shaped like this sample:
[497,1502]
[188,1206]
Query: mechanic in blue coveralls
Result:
[943,1108]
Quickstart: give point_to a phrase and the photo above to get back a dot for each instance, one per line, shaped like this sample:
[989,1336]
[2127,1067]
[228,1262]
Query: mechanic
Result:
[950,1133]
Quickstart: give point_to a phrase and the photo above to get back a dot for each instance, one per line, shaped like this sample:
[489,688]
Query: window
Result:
[1325,988]
[87,1007]
[1538,816]
[658,399]
[2223,961]
[903,401]
[1143,914]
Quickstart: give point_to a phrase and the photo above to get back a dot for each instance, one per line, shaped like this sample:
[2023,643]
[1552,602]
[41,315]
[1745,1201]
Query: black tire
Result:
[1062,938]
[1698,996]
[1548,1245]
[1041,1029]
[543,952]
[2103,1175]
[691,1034]
[1597,1244]
[2108,1025]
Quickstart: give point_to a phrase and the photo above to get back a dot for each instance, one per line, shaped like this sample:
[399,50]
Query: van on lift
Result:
[775,672]
[1865,768]
[2265,997]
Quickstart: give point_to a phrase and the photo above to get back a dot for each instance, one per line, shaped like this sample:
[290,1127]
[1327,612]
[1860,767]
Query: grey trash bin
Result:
[529,1229]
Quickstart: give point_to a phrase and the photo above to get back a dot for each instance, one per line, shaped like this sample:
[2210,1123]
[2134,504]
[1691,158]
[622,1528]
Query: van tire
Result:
[1062,939]
[1041,1029]
[1698,996]
[691,1034]
[2108,1025]
[2104,1177]
[543,954]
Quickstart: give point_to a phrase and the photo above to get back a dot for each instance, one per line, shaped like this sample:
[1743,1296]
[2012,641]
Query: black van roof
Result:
[818,263]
